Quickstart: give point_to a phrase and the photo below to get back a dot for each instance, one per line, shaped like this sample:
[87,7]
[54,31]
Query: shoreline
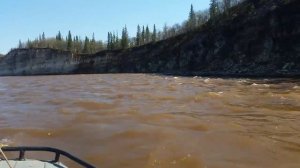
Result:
[236,46]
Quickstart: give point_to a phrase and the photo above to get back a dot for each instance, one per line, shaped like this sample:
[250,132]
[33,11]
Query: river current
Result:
[143,121]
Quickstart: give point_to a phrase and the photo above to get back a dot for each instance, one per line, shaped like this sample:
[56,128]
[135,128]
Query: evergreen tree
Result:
[165,32]
[20,44]
[124,40]
[69,41]
[143,36]
[93,44]
[213,9]
[154,34]
[109,40]
[86,45]
[138,36]
[43,36]
[192,19]
[59,37]
[147,35]
[59,44]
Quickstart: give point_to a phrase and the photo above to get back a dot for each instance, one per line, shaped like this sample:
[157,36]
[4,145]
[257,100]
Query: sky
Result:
[26,19]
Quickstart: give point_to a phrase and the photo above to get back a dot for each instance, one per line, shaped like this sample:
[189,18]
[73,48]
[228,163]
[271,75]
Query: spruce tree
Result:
[69,41]
[109,41]
[59,37]
[165,32]
[147,35]
[86,45]
[93,44]
[43,36]
[20,44]
[192,18]
[154,36]
[138,36]
[143,36]
[124,41]
[77,45]
[59,41]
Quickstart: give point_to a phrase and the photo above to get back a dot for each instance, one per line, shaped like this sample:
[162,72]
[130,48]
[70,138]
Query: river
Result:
[143,121]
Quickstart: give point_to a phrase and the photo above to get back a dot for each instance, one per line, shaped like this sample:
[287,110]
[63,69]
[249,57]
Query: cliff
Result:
[256,38]
[37,62]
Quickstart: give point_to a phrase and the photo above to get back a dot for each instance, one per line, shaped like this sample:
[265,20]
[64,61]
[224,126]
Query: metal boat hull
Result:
[30,164]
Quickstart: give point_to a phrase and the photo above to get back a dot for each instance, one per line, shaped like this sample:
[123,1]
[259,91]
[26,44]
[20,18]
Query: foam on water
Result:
[6,142]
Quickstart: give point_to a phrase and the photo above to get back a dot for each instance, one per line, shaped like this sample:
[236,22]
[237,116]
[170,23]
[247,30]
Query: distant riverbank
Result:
[259,40]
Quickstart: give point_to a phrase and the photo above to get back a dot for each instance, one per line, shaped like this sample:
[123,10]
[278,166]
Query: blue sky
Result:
[23,19]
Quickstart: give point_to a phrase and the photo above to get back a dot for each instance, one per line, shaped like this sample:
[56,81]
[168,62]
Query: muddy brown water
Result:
[143,121]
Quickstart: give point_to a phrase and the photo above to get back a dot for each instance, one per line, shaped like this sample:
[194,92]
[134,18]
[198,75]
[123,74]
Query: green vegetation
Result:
[144,34]
[125,38]
[214,9]
[192,22]
[70,43]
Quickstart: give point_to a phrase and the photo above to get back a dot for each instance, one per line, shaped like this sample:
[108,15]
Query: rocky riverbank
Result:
[257,38]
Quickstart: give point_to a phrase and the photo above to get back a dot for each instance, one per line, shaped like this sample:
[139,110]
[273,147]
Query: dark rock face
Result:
[257,38]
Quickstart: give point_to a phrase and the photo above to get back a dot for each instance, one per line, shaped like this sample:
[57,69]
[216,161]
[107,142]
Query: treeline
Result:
[144,34]
[70,43]
[197,19]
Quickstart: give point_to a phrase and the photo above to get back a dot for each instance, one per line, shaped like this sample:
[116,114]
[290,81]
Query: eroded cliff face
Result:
[257,38]
[37,62]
